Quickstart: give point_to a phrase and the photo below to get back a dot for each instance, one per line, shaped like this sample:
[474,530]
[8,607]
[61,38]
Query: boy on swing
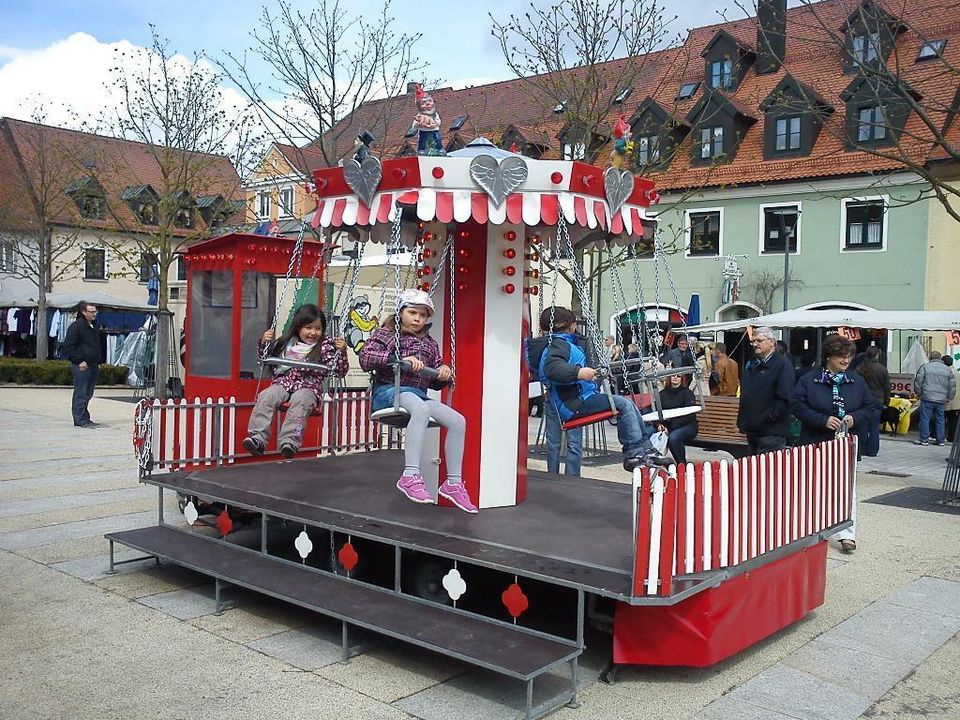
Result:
[574,392]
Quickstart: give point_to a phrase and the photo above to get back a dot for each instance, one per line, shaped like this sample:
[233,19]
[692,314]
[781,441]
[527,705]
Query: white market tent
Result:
[64,300]
[922,320]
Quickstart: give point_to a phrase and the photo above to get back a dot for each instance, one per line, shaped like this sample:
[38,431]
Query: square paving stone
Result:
[798,694]
[930,594]
[730,708]
[194,602]
[95,568]
[896,631]
[480,695]
[307,648]
[862,672]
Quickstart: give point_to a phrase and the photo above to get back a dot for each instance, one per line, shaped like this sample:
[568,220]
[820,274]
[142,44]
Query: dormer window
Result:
[787,134]
[647,149]
[559,108]
[864,48]
[184,218]
[871,124]
[688,90]
[89,197]
[711,142]
[458,122]
[144,202]
[624,94]
[931,50]
[721,73]
[184,215]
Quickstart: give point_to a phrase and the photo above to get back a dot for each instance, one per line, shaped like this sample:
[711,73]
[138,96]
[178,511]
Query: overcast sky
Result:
[63,55]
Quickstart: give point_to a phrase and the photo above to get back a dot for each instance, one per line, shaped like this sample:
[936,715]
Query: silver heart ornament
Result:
[618,186]
[498,179]
[363,178]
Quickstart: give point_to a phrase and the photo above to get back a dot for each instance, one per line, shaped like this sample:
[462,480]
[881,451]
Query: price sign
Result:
[668,339]
[849,333]
[901,384]
[953,337]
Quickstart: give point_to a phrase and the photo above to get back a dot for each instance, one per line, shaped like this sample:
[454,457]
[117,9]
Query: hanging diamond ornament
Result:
[618,186]
[303,544]
[347,556]
[363,178]
[190,513]
[498,179]
[454,584]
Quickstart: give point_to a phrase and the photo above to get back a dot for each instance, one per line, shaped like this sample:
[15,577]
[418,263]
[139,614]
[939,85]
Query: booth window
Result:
[257,303]
[211,323]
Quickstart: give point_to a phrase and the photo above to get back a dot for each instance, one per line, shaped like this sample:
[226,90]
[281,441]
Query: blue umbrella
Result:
[693,310]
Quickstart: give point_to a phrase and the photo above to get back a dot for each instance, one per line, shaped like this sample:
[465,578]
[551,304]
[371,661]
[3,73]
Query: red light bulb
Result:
[463,252]
[462,286]
[509,288]
[437,172]
[427,236]
[510,235]
[509,253]
[509,271]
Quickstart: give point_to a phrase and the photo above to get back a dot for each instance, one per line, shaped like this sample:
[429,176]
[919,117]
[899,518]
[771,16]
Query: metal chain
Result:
[619,300]
[583,293]
[641,306]
[676,300]
[358,249]
[451,249]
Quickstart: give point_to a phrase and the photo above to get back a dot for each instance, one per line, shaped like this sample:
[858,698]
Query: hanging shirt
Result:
[23,320]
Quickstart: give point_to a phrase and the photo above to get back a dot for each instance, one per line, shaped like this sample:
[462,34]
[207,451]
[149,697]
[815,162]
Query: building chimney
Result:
[411,88]
[771,35]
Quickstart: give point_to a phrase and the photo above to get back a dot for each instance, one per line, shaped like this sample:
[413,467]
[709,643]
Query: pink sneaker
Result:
[457,494]
[412,486]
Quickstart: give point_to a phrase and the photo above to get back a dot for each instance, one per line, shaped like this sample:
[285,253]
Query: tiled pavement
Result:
[881,645]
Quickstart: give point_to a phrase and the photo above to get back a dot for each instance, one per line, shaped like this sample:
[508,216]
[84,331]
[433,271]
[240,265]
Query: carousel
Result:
[684,565]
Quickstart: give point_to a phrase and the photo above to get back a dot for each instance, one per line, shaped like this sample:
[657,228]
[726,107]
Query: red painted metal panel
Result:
[600,210]
[444,211]
[683,487]
[722,621]
[478,211]
[716,517]
[549,209]
[642,558]
[667,534]
[580,211]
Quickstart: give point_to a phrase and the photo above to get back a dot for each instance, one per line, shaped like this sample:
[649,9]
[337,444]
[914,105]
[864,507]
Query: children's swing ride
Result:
[686,565]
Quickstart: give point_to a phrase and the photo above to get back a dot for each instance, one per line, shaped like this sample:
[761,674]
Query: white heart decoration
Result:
[498,179]
[618,186]
[454,584]
[363,178]
[190,513]
[303,544]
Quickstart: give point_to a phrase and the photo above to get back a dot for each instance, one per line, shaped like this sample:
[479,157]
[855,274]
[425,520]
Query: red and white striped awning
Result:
[528,208]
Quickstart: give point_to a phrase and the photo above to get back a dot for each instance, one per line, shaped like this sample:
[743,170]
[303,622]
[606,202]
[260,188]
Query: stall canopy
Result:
[924,320]
[64,300]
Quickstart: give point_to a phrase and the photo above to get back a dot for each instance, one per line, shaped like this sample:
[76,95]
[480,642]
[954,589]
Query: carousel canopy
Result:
[485,184]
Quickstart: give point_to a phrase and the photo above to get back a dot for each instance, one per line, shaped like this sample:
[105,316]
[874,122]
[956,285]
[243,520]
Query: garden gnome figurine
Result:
[621,143]
[427,124]
[362,145]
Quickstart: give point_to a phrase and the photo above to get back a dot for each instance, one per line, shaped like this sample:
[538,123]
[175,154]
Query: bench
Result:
[507,649]
[718,426]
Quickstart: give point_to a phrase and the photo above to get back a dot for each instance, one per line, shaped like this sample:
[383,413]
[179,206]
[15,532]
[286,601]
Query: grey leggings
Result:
[420,413]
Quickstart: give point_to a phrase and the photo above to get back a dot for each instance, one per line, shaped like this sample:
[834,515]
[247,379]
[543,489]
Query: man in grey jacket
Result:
[936,386]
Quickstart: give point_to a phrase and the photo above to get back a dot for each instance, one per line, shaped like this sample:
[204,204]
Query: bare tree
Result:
[324,65]
[765,285]
[583,59]
[176,108]
[39,221]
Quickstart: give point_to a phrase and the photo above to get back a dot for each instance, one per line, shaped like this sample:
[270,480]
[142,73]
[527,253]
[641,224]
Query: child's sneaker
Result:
[412,486]
[253,446]
[288,451]
[457,494]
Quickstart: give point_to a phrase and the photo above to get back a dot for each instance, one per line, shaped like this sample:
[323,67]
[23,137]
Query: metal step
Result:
[509,650]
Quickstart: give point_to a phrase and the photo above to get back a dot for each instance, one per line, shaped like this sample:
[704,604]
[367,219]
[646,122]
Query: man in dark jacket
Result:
[878,381]
[766,387]
[82,347]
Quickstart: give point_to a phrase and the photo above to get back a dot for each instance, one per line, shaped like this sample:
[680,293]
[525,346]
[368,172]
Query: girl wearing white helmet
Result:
[418,348]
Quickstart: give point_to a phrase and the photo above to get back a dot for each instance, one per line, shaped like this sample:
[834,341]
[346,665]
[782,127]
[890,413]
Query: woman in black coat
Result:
[681,430]
[830,398]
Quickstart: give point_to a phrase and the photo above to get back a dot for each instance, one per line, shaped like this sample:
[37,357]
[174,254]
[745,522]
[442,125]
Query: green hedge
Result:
[20,371]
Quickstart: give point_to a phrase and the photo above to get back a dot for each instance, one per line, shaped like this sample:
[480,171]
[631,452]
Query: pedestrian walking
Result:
[877,378]
[82,348]
[951,410]
[936,384]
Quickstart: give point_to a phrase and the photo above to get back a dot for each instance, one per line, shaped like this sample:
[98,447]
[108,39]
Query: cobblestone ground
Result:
[146,643]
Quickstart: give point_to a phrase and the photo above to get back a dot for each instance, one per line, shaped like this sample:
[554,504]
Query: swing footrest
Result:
[588,419]
[670,413]
[396,417]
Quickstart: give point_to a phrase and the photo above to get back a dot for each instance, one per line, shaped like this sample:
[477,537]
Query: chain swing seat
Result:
[397,416]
